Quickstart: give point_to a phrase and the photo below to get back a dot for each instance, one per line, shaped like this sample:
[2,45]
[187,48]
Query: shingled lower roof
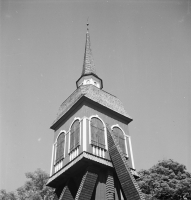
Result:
[95,94]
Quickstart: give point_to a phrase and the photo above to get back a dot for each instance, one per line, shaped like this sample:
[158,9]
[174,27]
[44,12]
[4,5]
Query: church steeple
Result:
[92,155]
[88,65]
[88,71]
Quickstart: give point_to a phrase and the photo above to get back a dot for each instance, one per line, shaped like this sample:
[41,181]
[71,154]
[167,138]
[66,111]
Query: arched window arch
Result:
[120,138]
[60,147]
[98,135]
[74,135]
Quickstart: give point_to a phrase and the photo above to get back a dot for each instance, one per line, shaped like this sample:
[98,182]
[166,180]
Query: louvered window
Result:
[60,147]
[75,135]
[97,133]
[120,139]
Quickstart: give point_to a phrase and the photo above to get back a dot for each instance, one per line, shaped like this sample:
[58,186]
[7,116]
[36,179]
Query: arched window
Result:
[75,135]
[120,139]
[60,147]
[97,133]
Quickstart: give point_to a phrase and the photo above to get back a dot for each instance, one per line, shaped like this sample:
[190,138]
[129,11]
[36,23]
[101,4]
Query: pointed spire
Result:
[88,65]
[89,76]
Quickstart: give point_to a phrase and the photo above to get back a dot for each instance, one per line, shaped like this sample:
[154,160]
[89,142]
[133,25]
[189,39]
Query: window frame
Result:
[125,137]
[75,119]
[105,132]
[55,146]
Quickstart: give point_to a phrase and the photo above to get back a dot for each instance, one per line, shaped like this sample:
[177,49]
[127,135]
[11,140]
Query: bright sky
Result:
[141,50]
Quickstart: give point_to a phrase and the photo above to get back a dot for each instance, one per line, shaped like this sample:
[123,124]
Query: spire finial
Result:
[88,65]
[87,24]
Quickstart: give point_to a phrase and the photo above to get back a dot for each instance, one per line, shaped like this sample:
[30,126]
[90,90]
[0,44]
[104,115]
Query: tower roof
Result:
[94,94]
[88,65]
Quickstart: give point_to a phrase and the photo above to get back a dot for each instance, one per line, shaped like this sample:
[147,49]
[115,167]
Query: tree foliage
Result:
[166,180]
[34,189]
[7,195]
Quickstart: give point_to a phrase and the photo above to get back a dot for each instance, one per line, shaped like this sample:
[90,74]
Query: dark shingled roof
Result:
[95,94]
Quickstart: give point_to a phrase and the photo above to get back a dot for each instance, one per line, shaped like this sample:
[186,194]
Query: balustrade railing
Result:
[58,165]
[98,151]
[74,153]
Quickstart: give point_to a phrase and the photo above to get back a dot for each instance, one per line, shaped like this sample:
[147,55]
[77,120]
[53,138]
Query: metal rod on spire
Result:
[87,24]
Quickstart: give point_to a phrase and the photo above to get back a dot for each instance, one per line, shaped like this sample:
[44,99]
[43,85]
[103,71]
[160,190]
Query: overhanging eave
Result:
[82,100]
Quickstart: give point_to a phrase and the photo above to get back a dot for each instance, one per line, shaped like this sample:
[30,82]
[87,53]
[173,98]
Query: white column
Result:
[131,153]
[69,141]
[126,143]
[105,133]
[52,160]
[84,134]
